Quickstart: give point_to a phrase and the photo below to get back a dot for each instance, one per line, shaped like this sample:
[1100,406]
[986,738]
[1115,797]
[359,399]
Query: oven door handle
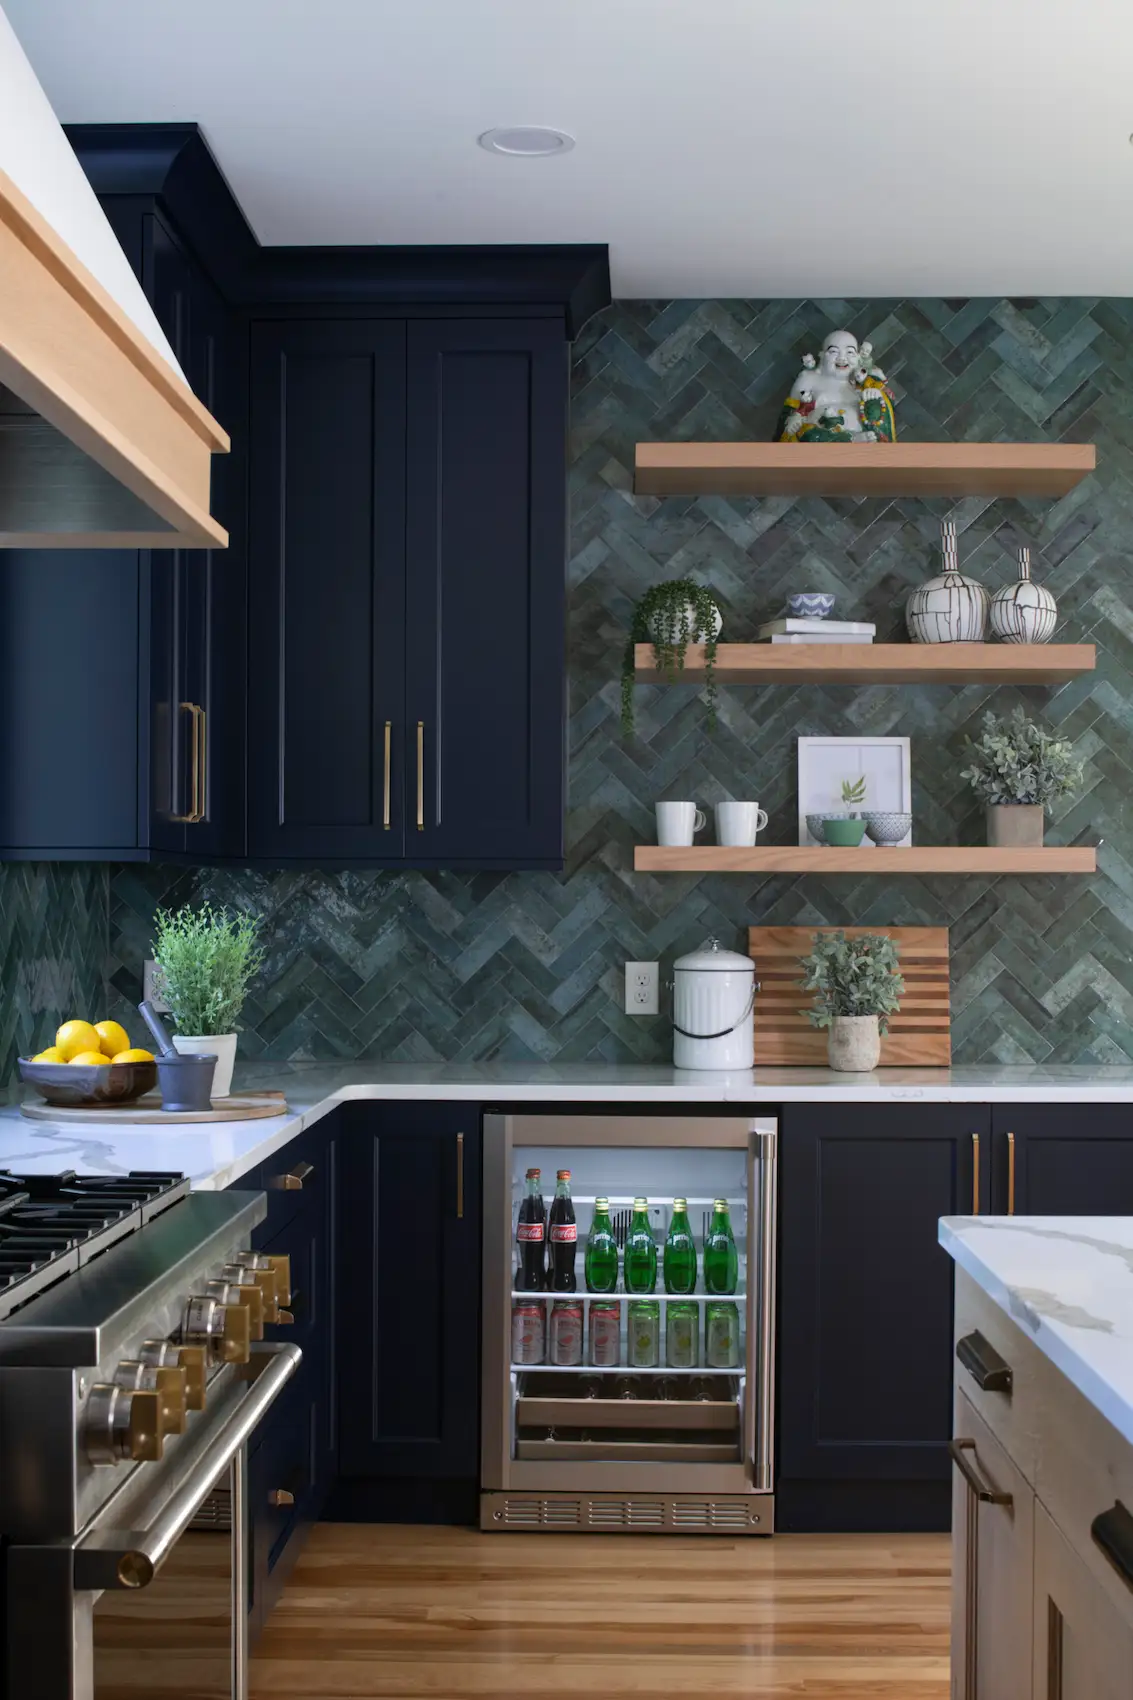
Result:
[130,1558]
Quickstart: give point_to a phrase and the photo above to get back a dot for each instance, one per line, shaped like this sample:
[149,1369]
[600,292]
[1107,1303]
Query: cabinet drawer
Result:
[296,1179]
[1083,1648]
[987,1339]
[281,1482]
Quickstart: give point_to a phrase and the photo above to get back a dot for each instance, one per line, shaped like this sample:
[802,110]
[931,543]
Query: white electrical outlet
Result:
[642,988]
[148,991]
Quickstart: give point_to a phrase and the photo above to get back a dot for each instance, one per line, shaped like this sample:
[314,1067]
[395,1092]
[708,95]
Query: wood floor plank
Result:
[382,1612]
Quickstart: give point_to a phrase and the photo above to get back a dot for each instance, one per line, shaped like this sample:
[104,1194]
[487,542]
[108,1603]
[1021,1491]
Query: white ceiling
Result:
[724,147]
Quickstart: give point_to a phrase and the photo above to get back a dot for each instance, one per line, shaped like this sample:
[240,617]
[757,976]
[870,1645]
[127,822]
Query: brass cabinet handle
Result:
[1011,1174]
[975,1174]
[195,812]
[202,765]
[420,776]
[281,1496]
[293,1180]
[1112,1531]
[460,1177]
[385,783]
[984,1492]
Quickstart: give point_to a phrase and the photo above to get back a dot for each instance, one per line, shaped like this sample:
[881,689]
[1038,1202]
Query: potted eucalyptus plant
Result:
[670,616]
[1018,770]
[205,960]
[857,986]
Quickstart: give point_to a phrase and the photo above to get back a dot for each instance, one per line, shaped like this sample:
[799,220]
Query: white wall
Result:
[38,158]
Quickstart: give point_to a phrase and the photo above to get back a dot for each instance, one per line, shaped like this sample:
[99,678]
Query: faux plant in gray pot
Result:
[205,961]
[857,986]
[670,616]
[1018,770]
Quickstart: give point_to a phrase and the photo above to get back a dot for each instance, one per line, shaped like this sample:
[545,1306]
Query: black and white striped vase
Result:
[951,608]
[1024,612]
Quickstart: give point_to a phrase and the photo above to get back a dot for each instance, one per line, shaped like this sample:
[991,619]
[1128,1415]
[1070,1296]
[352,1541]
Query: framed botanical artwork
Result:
[884,764]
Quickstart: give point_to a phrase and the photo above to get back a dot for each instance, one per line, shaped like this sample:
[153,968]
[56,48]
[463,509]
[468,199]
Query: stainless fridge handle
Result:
[130,1558]
[760,1401]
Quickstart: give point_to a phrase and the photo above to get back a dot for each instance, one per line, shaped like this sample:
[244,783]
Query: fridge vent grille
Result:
[215,1512]
[720,1514]
[542,1513]
[612,1513]
[627,1514]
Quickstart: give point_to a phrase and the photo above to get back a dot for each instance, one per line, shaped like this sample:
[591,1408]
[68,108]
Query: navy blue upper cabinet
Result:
[408,529]
[1062,1160]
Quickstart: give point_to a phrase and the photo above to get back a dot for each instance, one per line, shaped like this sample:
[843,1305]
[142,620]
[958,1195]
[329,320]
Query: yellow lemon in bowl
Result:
[52,1054]
[76,1036]
[112,1038]
[135,1054]
[87,1058]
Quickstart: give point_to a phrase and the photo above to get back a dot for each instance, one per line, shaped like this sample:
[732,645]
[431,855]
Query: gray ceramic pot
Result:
[1015,825]
[853,1043]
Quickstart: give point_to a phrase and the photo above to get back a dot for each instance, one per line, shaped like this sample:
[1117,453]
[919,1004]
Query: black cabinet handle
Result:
[990,1372]
[1113,1532]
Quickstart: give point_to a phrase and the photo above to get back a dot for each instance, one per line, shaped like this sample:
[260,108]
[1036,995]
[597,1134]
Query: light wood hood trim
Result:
[70,352]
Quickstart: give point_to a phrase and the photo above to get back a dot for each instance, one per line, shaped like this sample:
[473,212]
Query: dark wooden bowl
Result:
[89,1083]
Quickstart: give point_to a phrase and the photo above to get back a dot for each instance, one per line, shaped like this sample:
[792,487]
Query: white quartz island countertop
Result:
[1067,1281]
[215,1154]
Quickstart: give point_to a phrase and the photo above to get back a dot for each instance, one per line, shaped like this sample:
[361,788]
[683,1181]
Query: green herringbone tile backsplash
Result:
[471,966]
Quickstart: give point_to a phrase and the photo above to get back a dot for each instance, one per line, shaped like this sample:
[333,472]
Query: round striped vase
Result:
[950,608]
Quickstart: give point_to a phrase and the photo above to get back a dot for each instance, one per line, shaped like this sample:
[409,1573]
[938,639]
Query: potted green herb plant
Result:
[857,986]
[205,960]
[670,616]
[1018,770]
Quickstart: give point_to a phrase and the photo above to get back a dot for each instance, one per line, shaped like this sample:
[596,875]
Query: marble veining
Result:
[1069,1281]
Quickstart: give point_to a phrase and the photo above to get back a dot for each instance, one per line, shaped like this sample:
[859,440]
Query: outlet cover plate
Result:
[643,988]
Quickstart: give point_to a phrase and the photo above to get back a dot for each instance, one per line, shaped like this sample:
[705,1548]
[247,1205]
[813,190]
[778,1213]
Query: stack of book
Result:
[788,629]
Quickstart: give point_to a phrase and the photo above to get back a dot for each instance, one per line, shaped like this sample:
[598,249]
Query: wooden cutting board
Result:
[920,1034]
[246,1107]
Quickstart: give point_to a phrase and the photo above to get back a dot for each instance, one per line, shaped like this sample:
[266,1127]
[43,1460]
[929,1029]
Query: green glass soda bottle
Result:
[680,1252]
[639,1262]
[601,1251]
[721,1260]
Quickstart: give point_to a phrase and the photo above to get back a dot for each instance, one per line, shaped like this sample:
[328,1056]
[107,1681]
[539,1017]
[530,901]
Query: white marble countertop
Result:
[214,1154]
[1068,1282]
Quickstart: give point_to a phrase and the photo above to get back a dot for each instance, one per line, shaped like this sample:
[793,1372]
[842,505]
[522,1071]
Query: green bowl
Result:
[68,1084]
[843,833]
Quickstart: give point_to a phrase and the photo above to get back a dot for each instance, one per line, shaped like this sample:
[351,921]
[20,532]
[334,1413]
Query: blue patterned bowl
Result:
[810,604]
[887,827]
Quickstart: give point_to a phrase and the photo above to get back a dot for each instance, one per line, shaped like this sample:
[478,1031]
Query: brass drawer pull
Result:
[1011,1174]
[460,1177]
[385,781]
[196,807]
[975,1174]
[990,1372]
[420,776]
[281,1496]
[987,1495]
[1113,1532]
[293,1180]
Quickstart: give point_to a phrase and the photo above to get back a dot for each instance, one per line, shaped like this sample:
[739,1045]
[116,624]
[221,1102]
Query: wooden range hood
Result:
[102,443]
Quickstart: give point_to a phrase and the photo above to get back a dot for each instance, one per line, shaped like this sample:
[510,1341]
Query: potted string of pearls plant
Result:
[205,959]
[857,986]
[1017,771]
[670,616]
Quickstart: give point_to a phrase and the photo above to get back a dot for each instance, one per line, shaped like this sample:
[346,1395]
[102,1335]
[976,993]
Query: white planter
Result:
[853,1043]
[222,1046]
[664,628]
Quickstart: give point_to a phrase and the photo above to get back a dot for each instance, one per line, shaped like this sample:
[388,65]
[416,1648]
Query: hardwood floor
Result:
[395,1612]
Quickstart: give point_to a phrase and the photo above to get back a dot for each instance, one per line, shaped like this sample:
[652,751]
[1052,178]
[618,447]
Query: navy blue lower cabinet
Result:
[1062,1159]
[409,1238]
[865,1324]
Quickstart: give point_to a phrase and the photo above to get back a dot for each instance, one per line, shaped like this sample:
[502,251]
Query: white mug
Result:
[738,823]
[677,823]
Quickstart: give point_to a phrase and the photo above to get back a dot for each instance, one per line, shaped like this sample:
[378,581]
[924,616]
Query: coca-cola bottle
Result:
[530,1236]
[563,1234]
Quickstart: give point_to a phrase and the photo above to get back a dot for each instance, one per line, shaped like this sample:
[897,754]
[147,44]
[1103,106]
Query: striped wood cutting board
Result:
[920,1034]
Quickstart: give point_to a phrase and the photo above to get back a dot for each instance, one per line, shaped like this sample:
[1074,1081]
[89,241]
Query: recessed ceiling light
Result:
[526,141]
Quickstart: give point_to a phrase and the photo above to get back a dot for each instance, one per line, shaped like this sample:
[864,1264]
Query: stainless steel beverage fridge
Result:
[630,1403]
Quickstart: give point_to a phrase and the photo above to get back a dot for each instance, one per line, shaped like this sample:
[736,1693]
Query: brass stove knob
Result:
[168,1381]
[219,1323]
[252,1294]
[123,1423]
[282,1266]
[190,1360]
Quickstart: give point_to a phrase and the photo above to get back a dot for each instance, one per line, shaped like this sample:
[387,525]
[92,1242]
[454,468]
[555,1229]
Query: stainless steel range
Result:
[132,1373]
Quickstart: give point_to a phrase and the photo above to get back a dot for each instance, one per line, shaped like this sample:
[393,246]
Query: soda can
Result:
[605,1335]
[682,1336]
[644,1328]
[566,1332]
[722,1336]
[528,1333]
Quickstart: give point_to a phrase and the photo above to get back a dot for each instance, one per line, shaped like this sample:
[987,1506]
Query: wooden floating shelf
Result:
[886,861]
[882,663]
[861,469]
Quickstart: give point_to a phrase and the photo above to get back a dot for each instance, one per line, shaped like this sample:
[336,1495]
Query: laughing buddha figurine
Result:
[840,398]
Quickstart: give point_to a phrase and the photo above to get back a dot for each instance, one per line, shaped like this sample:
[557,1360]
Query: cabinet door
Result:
[1063,1159]
[1083,1646]
[409,1292]
[993,1517]
[485,648]
[865,1330]
[326,590]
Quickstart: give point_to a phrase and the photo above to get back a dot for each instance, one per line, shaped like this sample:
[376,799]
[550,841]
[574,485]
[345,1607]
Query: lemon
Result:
[112,1038]
[134,1055]
[51,1054]
[76,1036]
[89,1057]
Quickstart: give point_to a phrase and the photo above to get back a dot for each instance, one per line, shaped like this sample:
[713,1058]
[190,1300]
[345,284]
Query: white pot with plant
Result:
[1018,770]
[205,960]
[857,986]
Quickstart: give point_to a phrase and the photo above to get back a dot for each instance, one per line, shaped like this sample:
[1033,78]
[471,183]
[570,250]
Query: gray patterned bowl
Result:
[810,604]
[888,827]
